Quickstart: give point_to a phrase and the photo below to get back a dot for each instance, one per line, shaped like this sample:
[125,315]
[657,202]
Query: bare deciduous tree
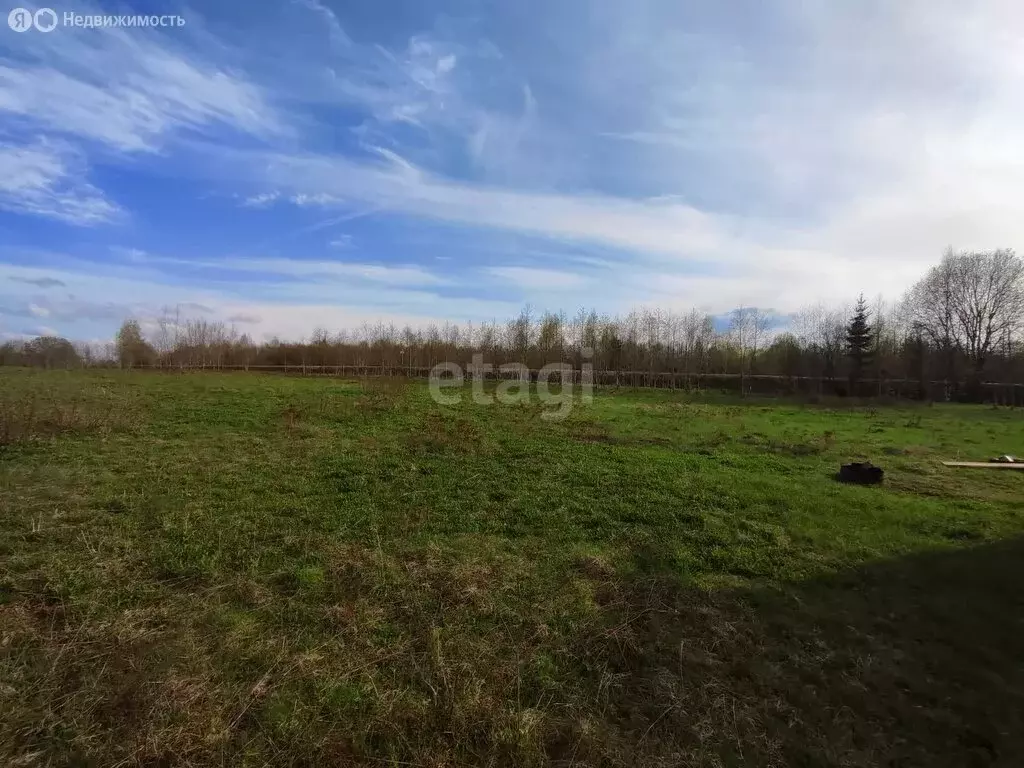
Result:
[748,327]
[822,329]
[970,301]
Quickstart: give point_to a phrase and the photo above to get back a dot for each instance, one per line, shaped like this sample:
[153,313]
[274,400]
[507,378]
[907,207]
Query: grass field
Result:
[234,569]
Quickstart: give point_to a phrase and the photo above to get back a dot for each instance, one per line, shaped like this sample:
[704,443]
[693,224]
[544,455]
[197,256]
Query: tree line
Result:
[962,323]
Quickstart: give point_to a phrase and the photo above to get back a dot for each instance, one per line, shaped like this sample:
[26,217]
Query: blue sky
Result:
[286,165]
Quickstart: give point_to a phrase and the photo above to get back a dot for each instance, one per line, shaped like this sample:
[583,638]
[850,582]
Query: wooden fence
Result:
[999,393]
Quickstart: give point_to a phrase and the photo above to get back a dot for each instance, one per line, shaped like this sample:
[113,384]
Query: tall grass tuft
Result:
[27,416]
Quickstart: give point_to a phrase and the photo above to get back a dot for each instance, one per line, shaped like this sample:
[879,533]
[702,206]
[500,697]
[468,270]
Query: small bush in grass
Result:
[382,392]
[27,416]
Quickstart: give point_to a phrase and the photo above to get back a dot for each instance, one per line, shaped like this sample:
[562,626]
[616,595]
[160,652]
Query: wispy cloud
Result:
[376,273]
[655,153]
[663,226]
[414,85]
[339,39]
[539,279]
[777,161]
[244,319]
[305,269]
[436,96]
[48,179]
[105,294]
[40,282]
[195,307]
[261,200]
[317,199]
[126,90]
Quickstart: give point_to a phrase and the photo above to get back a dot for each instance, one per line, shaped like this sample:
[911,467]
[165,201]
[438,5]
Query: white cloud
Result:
[39,282]
[273,269]
[875,243]
[436,94]
[127,89]
[376,273]
[105,294]
[262,200]
[339,38]
[244,319]
[539,279]
[832,168]
[315,200]
[446,64]
[48,179]
[718,169]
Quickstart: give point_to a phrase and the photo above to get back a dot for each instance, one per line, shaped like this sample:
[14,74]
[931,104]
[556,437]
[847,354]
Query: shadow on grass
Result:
[917,661]
[415,660]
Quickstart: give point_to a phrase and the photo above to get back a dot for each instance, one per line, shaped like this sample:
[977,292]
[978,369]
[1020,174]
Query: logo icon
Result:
[20,20]
[45,19]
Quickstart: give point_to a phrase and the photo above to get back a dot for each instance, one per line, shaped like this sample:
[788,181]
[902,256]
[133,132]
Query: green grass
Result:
[208,569]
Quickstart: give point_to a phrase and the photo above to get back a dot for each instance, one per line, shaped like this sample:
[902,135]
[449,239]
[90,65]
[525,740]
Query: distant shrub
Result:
[440,434]
[27,416]
[382,392]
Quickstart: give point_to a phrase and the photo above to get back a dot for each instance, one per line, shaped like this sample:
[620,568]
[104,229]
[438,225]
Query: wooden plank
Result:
[985,464]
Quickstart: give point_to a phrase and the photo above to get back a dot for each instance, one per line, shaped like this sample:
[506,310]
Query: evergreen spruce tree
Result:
[859,339]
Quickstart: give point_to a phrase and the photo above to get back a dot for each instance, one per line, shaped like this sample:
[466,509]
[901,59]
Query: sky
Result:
[292,164]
